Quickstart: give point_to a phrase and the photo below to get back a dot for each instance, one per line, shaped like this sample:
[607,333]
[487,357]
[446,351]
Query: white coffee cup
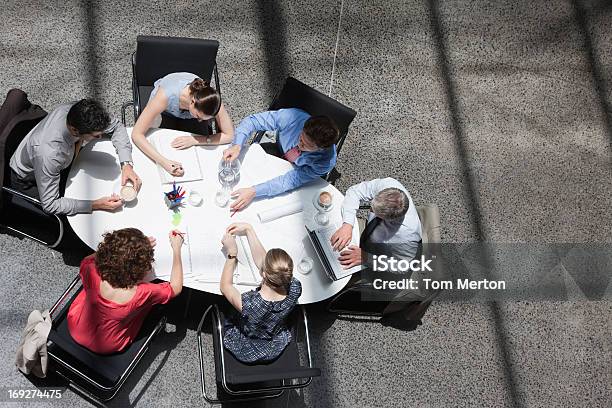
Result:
[128,192]
[195,198]
[305,265]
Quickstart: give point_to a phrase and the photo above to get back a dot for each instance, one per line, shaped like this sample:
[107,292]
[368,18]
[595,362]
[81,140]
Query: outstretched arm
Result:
[176,275]
[154,108]
[120,140]
[224,136]
[226,285]
[226,127]
[257,249]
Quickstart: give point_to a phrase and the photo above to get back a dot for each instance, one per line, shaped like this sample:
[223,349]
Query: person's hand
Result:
[242,197]
[184,142]
[173,167]
[176,240]
[350,257]
[107,203]
[232,153]
[128,173]
[342,237]
[152,241]
[238,228]
[229,244]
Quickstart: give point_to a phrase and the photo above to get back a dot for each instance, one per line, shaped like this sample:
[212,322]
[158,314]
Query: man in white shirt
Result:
[393,221]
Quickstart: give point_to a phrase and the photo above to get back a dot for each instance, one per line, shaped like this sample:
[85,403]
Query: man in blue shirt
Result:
[306,141]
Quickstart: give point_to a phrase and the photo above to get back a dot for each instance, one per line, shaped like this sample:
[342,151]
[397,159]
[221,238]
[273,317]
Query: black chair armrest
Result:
[274,376]
[21,195]
[123,109]
[36,203]
[216,76]
[258,135]
[215,310]
[76,281]
[333,176]
[307,335]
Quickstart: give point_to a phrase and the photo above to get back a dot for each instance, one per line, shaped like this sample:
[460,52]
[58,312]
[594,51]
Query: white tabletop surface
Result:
[96,173]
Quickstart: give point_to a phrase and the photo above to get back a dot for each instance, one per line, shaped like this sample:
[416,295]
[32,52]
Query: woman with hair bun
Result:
[182,95]
[107,314]
[259,332]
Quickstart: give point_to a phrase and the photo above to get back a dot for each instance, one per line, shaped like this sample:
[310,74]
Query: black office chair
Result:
[20,213]
[156,57]
[296,94]
[94,376]
[237,381]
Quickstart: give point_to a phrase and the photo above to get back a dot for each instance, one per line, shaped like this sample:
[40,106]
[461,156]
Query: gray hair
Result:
[390,204]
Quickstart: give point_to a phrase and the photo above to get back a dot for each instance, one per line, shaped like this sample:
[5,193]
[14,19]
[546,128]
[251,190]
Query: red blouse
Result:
[104,326]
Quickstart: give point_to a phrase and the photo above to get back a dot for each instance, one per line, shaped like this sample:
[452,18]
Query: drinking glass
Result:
[321,217]
[229,172]
[305,265]
[222,196]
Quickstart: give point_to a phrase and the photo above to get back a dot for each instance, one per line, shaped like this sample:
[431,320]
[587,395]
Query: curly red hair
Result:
[124,257]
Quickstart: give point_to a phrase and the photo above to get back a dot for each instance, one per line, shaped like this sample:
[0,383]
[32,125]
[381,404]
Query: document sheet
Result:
[187,157]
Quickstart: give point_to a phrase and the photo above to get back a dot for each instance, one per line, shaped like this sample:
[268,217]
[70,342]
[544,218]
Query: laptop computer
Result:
[320,239]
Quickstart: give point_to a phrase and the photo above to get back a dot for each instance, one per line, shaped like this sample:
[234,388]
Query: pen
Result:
[234,212]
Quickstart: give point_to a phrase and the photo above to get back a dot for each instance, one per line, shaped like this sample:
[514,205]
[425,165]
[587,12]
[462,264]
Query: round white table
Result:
[96,173]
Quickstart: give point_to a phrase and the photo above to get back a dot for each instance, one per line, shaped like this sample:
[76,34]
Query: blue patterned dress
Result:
[259,333]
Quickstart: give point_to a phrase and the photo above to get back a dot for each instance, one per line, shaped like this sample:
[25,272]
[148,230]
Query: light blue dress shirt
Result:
[173,84]
[288,124]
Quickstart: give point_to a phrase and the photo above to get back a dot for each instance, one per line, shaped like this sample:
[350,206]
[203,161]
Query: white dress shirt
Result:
[406,232]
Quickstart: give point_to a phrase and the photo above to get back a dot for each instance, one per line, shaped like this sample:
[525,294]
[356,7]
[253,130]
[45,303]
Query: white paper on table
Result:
[257,159]
[164,270]
[187,157]
[280,211]
[247,272]
[207,259]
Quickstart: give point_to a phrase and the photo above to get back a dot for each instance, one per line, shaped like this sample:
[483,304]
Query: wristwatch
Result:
[230,256]
[123,163]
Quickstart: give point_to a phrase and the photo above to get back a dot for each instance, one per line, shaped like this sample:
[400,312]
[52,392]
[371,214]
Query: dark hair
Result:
[88,116]
[207,99]
[322,130]
[124,257]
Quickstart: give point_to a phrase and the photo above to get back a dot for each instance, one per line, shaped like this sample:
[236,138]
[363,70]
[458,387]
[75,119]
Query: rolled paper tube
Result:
[280,211]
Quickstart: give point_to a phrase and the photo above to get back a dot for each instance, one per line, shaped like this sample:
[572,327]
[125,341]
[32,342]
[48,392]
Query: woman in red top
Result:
[107,314]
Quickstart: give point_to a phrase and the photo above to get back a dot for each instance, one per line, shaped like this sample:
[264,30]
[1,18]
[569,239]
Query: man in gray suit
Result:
[50,148]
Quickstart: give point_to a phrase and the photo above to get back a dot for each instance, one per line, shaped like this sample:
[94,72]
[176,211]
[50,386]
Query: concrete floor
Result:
[499,112]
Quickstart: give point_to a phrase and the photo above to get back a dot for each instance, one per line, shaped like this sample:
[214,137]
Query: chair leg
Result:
[124,108]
